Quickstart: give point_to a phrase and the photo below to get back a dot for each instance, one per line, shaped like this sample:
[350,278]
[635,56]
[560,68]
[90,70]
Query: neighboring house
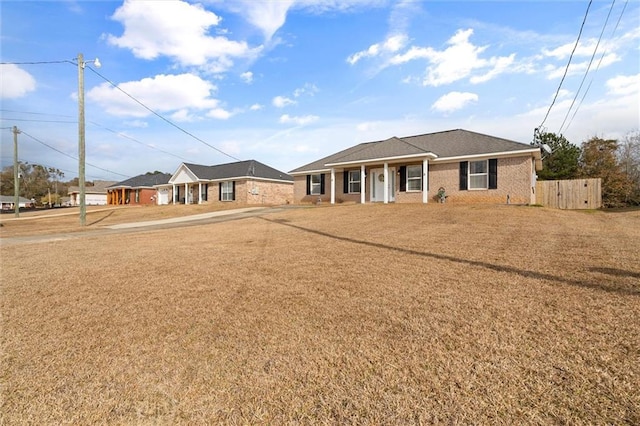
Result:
[137,190]
[466,166]
[95,195]
[243,182]
[8,201]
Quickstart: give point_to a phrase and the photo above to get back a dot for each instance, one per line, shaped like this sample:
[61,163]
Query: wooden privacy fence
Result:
[570,194]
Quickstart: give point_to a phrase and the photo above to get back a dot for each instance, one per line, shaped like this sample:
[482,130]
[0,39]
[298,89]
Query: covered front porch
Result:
[118,196]
[190,193]
[380,181]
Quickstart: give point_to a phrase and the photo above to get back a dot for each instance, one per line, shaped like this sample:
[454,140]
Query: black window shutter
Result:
[464,169]
[308,184]
[233,190]
[493,173]
[220,191]
[422,178]
[345,182]
[322,184]
[403,178]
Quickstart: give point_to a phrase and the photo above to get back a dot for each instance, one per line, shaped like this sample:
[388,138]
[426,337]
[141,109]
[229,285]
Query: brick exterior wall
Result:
[514,179]
[254,192]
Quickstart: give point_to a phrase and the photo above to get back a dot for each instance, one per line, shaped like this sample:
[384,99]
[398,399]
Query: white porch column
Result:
[173,194]
[199,192]
[362,185]
[425,180]
[186,193]
[333,186]
[386,183]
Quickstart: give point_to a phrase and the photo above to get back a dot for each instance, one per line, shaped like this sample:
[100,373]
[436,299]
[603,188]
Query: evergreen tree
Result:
[562,162]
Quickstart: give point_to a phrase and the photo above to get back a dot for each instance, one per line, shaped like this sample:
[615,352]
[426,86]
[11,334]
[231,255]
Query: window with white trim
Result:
[226,193]
[354,181]
[316,184]
[478,174]
[205,191]
[414,178]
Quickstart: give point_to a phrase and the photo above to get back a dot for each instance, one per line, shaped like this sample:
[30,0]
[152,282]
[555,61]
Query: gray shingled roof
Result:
[248,168]
[5,199]
[143,181]
[447,144]
[99,187]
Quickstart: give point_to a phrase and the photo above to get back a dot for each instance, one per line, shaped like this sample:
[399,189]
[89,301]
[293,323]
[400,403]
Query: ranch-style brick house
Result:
[468,167]
[137,190]
[243,182]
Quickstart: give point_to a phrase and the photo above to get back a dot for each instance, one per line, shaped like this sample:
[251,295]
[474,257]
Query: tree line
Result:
[616,162]
[37,182]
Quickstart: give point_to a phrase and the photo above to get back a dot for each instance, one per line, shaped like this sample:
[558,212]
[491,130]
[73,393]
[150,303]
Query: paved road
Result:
[175,222]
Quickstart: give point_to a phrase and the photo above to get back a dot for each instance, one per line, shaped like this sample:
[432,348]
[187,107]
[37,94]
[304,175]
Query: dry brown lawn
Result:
[351,314]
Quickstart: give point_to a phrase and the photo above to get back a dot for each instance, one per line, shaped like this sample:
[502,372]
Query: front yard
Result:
[349,314]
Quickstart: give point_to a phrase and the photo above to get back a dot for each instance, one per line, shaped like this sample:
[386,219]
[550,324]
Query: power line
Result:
[595,50]
[121,134]
[163,118]
[598,66]
[70,156]
[568,63]
[131,97]
[38,121]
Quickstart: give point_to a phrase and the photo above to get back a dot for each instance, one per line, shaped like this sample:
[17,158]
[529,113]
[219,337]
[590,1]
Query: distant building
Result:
[137,190]
[243,182]
[95,195]
[7,202]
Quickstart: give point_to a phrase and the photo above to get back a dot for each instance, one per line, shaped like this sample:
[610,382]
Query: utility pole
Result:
[16,181]
[81,150]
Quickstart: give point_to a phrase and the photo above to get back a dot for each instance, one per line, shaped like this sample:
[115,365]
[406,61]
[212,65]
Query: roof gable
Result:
[240,169]
[147,180]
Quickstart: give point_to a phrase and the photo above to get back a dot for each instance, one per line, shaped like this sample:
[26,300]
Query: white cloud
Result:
[247,77]
[162,93]
[453,101]
[178,30]
[308,89]
[270,16]
[219,113]
[15,82]
[300,121]
[458,61]
[256,107]
[576,68]
[282,101]
[392,44]
[624,85]
[500,65]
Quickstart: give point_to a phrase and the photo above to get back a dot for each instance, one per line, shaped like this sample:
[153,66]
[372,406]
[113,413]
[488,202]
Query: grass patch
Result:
[353,314]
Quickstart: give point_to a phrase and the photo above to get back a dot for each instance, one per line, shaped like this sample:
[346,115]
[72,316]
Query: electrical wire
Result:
[71,156]
[584,77]
[163,118]
[567,68]
[598,66]
[121,134]
[74,62]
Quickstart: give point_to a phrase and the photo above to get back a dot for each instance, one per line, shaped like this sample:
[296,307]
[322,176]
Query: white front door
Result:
[377,184]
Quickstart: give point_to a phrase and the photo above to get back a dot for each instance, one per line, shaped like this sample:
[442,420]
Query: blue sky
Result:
[287,82]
